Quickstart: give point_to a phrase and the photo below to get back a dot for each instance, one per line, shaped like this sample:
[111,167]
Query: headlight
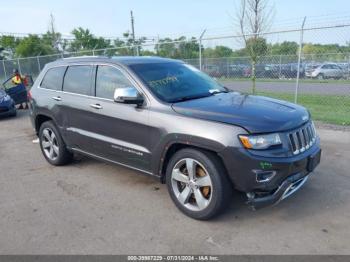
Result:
[260,141]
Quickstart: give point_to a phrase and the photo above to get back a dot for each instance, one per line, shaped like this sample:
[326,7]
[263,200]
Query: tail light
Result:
[29,95]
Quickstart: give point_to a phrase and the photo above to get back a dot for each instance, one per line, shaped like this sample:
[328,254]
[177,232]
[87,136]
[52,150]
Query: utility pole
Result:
[133,33]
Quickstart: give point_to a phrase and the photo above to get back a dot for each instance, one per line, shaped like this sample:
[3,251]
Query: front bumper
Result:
[289,174]
[286,189]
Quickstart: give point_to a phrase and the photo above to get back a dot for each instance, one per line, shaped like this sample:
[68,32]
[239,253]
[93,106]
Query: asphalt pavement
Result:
[90,207]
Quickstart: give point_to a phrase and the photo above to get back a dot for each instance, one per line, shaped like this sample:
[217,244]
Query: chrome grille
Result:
[303,138]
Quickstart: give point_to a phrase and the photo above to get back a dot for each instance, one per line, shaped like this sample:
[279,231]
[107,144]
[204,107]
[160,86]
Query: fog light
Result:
[264,176]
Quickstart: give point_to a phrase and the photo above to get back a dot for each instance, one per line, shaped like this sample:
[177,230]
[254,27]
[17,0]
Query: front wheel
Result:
[197,183]
[320,77]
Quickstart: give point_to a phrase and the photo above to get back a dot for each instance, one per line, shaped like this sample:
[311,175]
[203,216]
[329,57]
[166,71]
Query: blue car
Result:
[7,105]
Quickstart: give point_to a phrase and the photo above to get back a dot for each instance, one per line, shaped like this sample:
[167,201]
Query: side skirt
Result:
[113,162]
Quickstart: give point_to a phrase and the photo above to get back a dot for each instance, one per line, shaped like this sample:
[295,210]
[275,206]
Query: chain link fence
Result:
[319,80]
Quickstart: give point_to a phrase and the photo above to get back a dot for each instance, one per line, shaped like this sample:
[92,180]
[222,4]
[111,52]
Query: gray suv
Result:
[324,71]
[169,120]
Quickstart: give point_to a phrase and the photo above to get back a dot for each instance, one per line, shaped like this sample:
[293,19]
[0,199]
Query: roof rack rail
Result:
[85,56]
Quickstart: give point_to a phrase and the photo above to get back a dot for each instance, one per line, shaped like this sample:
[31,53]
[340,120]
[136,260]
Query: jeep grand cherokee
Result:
[167,119]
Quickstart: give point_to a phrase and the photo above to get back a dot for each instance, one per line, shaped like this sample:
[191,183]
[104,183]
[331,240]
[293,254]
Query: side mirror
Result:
[128,95]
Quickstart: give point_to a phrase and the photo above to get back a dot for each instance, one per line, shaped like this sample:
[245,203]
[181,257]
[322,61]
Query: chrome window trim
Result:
[123,71]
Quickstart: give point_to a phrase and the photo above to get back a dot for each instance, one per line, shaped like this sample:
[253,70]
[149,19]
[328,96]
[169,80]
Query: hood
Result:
[257,114]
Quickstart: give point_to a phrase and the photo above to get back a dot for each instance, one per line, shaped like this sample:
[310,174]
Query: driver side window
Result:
[108,79]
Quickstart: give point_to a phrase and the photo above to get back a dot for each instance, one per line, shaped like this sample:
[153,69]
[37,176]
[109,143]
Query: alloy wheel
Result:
[50,144]
[191,184]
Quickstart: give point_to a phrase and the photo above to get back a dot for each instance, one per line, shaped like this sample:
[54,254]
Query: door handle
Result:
[57,98]
[96,106]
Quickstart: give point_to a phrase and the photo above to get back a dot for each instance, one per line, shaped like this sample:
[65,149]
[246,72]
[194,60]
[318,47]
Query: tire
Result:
[52,145]
[320,76]
[209,185]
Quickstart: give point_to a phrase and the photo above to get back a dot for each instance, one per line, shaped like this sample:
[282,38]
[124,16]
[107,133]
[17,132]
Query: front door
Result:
[118,132]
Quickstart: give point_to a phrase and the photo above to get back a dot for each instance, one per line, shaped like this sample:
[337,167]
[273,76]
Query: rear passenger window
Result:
[108,79]
[54,78]
[78,80]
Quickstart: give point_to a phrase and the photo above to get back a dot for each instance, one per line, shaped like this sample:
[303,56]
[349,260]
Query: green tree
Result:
[33,45]
[218,51]
[254,17]
[8,46]
[165,47]
[85,40]
[284,48]
[51,37]
[256,47]
[180,48]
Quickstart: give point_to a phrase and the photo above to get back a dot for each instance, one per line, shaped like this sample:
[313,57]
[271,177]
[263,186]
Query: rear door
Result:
[48,100]
[75,100]
[327,70]
[338,72]
[118,132]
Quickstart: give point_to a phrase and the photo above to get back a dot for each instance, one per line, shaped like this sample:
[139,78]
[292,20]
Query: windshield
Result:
[173,82]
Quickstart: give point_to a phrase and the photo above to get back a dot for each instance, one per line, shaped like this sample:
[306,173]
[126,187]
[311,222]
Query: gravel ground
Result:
[90,207]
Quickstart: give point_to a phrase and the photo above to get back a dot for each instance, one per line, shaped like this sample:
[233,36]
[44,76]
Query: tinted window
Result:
[78,80]
[173,82]
[108,79]
[54,78]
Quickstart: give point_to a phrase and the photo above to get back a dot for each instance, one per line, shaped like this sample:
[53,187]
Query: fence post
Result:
[227,67]
[39,67]
[299,59]
[279,73]
[348,67]
[3,64]
[19,66]
[200,49]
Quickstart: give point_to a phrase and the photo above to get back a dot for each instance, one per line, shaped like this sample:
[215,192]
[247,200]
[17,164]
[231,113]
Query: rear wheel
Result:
[52,145]
[197,183]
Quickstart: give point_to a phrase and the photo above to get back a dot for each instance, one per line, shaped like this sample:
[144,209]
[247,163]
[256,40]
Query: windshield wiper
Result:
[186,98]
[214,92]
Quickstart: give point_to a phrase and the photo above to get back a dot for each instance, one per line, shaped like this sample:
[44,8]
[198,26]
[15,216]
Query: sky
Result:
[153,18]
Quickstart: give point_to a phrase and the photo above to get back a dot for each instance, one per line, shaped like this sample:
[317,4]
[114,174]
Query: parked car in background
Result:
[290,70]
[262,71]
[212,70]
[7,105]
[324,71]
[236,70]
[18,92]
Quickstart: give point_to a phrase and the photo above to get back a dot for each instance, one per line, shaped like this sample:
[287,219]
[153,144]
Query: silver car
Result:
[327,70]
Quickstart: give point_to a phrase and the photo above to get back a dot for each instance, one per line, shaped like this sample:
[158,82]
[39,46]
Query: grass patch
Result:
[302,80]
[326,108]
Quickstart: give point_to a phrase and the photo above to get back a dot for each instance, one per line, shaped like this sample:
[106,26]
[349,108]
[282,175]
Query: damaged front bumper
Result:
[286,189]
